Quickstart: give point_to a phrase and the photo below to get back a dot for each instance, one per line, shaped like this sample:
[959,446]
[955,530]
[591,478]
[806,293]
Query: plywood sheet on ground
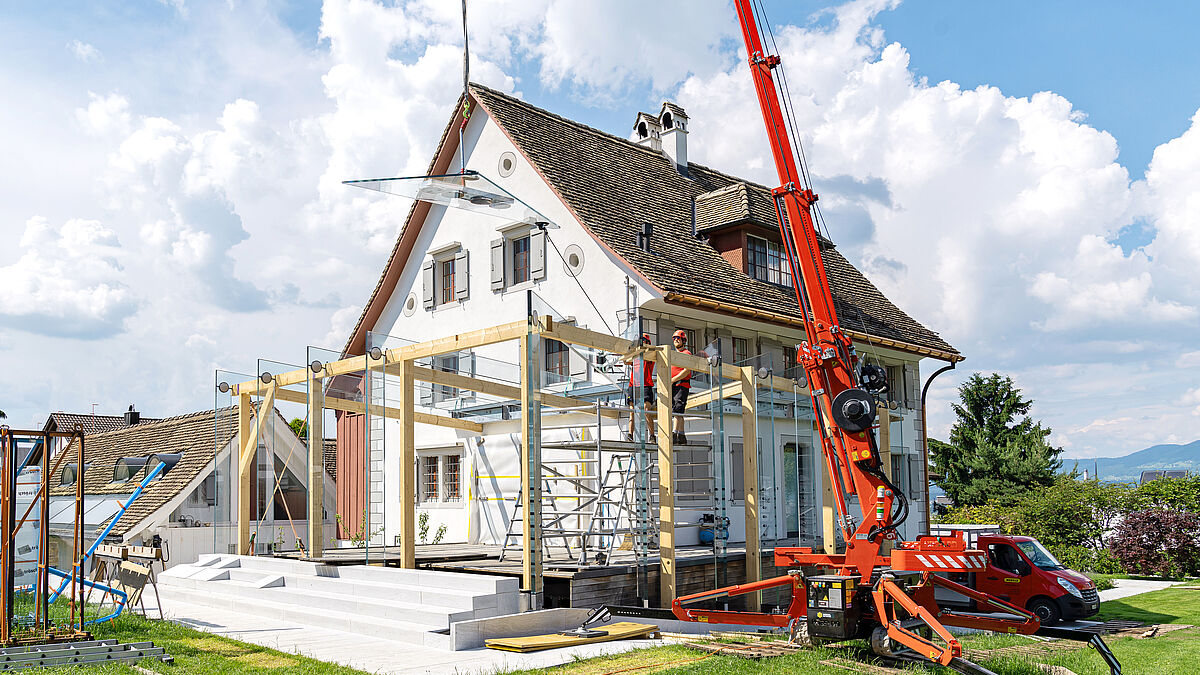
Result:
[624,630]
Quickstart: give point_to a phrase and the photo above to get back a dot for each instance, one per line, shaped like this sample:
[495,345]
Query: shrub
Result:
[1083,559]
[1159,542]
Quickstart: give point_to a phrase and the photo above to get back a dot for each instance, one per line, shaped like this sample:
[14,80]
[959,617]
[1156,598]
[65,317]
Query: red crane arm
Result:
[828,355]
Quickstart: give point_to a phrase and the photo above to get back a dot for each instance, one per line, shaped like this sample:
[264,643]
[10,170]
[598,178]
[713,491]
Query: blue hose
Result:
[87,582]
[111,524]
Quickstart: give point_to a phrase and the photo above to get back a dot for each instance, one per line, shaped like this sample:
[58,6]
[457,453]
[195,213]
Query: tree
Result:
[299,427]
[996,451]
[2,415]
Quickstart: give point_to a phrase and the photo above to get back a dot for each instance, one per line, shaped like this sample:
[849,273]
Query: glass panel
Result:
[468,191]
[281,520]
[226,449]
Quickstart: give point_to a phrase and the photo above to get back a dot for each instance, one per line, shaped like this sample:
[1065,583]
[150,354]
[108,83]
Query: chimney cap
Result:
[672,116]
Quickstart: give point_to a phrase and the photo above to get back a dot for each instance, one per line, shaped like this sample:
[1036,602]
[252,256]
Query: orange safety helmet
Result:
[681,335]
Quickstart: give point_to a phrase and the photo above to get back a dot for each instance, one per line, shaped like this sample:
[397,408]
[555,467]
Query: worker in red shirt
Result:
[648,390]
[681,387]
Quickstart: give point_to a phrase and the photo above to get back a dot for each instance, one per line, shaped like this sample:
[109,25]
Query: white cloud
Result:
[84,51]
[104,115]
[68,281]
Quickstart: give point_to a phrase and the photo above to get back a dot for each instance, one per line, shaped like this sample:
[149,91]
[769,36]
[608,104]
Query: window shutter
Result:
[427,284]
[498,265]
[537,255]
[665,327]
[461,275]
[912,381]
[916,475]
[577,364]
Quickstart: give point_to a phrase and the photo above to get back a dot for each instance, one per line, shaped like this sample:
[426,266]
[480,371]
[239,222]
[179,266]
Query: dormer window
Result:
[767,261]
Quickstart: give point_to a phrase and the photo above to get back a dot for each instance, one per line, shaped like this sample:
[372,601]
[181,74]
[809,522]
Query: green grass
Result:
[1170,605]
[199,652]
[1175,653]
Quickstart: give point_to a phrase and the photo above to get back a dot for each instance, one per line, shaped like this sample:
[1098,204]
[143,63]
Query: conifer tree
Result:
[996,451]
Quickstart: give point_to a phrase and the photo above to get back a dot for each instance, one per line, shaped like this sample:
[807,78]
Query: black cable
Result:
[577,283]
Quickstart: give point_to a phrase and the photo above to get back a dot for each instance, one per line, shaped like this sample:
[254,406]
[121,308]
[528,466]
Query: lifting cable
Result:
[466,94]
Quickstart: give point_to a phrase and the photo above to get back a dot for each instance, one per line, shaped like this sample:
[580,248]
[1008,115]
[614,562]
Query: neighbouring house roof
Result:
[197,436]
[612,186]
[329,451]
[92,424]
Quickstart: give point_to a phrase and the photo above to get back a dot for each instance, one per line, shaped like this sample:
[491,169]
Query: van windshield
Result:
[1038,555]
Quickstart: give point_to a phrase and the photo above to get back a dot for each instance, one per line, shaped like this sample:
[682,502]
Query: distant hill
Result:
[1130,467]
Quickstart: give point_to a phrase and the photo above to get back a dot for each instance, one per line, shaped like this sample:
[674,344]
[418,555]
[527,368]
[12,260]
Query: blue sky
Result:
[987,165]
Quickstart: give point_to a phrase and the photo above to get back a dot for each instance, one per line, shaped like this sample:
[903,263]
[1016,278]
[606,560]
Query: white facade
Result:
[487,465]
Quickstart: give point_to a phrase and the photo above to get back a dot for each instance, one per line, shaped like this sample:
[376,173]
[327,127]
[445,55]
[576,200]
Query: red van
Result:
[1021,571]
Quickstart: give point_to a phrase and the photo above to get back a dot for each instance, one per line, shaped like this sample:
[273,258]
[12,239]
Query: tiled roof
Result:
[92,424]
[330,456]
[194,435]
[613,186]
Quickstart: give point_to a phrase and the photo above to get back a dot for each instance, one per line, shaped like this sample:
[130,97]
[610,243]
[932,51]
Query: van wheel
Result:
[1046,610]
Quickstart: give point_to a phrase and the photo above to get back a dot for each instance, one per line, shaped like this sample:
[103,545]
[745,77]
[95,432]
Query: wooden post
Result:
[408,472]
[316,466]
[531,470]
[245,427]
[667,588]
[750,482]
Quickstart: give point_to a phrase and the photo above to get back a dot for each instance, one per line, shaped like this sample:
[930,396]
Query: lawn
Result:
[199,652]
[1176,653]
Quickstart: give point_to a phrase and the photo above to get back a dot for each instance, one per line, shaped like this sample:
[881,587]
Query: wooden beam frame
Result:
[750,483]
[249,433]
[408,466]
[667,583]
[346,405]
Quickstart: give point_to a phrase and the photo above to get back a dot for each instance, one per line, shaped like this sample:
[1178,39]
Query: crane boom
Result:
[888,598]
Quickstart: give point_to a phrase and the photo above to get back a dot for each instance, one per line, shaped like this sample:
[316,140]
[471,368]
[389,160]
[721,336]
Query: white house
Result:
[640,240]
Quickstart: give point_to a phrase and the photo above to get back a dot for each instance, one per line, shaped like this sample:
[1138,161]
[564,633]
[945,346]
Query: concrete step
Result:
[347,621]
[422,595]
[424,579]
[432,617]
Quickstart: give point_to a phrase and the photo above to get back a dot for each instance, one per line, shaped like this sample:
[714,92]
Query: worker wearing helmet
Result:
[681,387]
[646,371]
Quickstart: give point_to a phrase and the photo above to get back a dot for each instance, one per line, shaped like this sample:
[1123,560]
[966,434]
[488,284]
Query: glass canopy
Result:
[469,191]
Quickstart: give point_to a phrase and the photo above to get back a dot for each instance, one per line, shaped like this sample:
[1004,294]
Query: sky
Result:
[1020,177]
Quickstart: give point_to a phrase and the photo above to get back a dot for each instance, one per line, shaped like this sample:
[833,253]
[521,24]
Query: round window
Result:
[508,164]
[410,305]
[573,259]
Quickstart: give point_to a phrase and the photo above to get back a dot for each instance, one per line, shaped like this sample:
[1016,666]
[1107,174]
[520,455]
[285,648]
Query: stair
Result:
[415,606]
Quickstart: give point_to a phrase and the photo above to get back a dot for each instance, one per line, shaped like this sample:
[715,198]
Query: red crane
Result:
[889,599]
[861,593]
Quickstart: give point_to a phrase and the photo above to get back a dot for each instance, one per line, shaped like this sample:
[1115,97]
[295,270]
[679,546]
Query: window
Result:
[444,277]
[520,260]
[558,360]
[767,261]
[895,380]
[649,327]
[447,363]
[440,477]
[691,339]
[429,479]
[451,486]
[446,287]
[741,350]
